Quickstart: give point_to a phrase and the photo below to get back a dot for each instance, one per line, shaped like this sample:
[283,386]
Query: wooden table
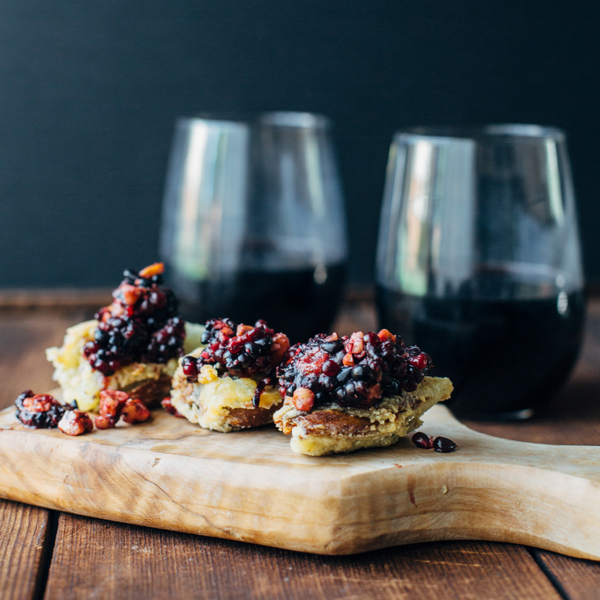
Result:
[57,556]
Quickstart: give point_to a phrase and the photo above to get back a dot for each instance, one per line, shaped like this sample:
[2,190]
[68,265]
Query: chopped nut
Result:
[105,422]
[75,422]
[356,344]
[112,402]
[38,403]
[130,294]
[348,360]
[241,329]
[280,346]
[225,334]
[385,335]
[153,269]
[303,399]
[135,411]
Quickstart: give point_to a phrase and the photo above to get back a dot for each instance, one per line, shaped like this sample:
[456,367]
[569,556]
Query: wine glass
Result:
[253,221]
[479,262]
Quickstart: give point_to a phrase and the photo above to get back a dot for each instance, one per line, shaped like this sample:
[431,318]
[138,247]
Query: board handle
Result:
[491,488]
[577,461]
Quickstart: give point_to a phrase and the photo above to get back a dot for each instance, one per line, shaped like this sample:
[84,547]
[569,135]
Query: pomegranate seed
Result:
[189,365]
[235,346]
[372,339]
[420,440]
[442,444]
[420,361]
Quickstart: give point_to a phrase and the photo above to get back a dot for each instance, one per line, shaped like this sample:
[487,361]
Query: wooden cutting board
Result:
[249,486]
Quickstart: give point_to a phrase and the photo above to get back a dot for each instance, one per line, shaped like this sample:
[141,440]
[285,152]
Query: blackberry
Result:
[165,343]
[141,325]
[240,351]
[356,371]
[39,411]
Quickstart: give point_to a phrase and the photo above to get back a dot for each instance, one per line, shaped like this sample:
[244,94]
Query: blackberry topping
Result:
[240,351]
[356,371]
[39,411]
[141,325]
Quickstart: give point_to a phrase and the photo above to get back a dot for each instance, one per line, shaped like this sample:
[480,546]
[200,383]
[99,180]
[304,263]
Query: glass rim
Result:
[521,132]
[301,120]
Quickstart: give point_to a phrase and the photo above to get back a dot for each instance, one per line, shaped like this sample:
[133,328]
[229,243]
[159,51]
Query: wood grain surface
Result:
[573,418]
[576,579]
[183,566]
[23,338]
[26,539]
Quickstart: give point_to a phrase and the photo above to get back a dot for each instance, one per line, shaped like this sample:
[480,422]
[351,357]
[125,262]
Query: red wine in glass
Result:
[479,262]
[504,357]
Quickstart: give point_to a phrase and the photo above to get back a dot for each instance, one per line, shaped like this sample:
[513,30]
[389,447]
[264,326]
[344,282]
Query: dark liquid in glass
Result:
[504,357]
[300,303]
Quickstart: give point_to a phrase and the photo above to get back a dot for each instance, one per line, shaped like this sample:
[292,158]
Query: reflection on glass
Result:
[479,262]
[253,221]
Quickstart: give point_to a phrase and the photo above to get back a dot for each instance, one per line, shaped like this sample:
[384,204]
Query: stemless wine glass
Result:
[253,221]
[479,262]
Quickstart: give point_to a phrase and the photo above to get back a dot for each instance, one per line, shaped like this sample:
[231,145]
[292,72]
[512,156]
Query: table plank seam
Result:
[548,573]
[46,559]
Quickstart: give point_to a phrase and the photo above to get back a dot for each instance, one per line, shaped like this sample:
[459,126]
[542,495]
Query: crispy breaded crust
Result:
[151,391]
[334,429]
[244,418]
[222,403]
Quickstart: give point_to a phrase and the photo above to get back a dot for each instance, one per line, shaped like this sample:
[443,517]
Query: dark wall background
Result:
[89,92]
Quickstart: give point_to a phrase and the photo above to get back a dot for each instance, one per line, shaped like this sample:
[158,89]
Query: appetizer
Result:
[132,345]
[229,382]
[344,394]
